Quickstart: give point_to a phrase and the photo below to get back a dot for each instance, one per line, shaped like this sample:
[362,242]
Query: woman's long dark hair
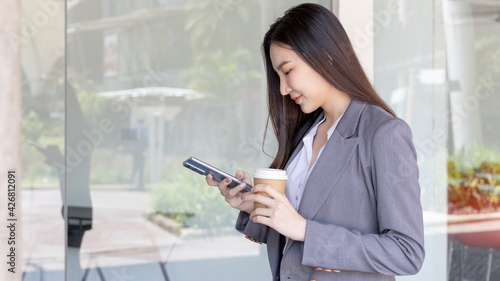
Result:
[315,35]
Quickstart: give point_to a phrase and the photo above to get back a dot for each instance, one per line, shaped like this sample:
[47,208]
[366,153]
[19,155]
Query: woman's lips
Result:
[296,99]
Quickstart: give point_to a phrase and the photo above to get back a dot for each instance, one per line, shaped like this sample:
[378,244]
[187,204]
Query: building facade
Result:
[117,94]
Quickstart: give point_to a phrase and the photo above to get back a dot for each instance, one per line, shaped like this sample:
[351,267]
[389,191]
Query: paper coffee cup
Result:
[274,177]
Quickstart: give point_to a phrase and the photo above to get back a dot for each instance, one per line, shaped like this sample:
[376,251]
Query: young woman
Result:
[351,210]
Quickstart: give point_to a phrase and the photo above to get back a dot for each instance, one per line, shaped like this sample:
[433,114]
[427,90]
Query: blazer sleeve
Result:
[253,230]
[398,247]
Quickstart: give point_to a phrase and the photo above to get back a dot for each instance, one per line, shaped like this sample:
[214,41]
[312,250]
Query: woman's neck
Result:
[335,107]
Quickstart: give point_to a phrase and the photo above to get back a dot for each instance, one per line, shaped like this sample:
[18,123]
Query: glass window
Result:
[150,84]
[41,239]
[410,74]
[472,34]
[435,63]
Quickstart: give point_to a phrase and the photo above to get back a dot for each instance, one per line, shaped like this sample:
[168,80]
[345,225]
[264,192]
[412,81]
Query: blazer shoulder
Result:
[375,119]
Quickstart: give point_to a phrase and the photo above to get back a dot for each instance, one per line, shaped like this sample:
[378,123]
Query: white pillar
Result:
[357,18]
[464,104]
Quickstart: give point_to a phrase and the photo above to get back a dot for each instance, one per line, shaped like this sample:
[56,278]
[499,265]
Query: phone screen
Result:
[204,169]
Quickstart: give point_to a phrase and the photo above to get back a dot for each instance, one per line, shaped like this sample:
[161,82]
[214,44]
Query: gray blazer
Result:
[361,203]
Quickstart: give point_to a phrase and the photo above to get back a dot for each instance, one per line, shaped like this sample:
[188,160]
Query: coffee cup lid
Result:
[266,173]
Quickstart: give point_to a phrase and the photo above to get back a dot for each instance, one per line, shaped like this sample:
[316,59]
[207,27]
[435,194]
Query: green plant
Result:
[221,74]
[110,167]
[35,169]
[473,189]
[32,127]
[490,167]
[212,23]
[187,198]
[468,197]
[472,158]
[94,108]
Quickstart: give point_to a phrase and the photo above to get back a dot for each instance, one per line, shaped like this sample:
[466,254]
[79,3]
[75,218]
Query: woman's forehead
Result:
[281,51]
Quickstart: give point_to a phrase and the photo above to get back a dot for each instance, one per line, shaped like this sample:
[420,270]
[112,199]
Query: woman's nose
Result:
[284,88]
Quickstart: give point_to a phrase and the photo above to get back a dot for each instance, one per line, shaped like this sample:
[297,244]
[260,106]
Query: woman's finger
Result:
[259,198]
[223,186]
[244,176]
[210,180]
[266,212]
[236,190]
[273,193]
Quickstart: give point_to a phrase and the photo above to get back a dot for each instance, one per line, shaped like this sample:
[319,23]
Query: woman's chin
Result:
[307,109]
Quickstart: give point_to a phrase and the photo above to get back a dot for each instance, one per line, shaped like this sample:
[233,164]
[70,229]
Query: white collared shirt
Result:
[298,171]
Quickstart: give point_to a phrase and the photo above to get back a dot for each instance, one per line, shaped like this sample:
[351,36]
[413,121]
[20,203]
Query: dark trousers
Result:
[138,167]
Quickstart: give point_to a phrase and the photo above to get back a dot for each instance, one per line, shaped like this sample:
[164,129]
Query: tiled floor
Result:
[124,246]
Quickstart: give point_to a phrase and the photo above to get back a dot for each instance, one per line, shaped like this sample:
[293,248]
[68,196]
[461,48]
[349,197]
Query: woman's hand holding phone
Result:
[233,196]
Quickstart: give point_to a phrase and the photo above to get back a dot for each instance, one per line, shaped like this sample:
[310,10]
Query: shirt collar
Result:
[312,132]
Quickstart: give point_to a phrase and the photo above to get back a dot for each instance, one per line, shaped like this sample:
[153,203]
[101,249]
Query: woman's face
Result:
[297,79]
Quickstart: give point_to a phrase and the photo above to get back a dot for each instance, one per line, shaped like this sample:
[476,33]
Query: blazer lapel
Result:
[301,143]
[331,163]
[325,173]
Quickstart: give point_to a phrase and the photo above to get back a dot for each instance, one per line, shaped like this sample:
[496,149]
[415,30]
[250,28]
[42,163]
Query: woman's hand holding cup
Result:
[272,208]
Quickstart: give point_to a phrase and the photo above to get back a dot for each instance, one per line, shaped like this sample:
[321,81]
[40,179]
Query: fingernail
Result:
[243,184]
[228,180]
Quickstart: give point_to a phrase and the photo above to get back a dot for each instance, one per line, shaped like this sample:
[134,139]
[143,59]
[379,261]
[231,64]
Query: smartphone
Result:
[37,146]
[204,169]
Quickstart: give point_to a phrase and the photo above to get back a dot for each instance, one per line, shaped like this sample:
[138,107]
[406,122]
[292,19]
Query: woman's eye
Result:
[287,72]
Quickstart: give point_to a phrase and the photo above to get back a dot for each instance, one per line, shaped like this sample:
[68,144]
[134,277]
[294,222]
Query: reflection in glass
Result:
[409,73]
[42,148]
[191,71]
[158,82]
[80,142]
[473,49]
